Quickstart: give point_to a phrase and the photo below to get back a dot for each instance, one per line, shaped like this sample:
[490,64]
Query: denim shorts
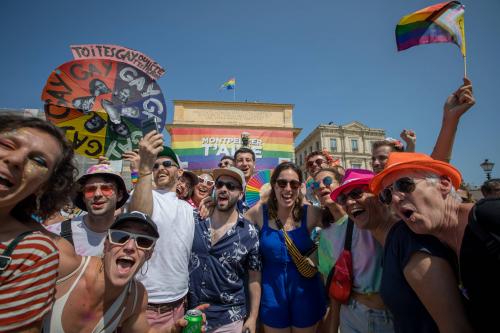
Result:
[358,318]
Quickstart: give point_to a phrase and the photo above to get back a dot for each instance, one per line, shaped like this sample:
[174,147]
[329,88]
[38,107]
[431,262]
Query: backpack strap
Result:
[5,258]
[491,243]
[66,231]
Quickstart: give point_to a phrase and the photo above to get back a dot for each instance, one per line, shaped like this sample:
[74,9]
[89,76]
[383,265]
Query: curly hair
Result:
[272,202]
[58,187]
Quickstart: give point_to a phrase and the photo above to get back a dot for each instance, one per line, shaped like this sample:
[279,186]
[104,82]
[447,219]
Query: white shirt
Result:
[166,274]
[86,241]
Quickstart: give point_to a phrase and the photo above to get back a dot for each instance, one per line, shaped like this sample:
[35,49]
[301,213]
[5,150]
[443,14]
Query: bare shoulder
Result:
[254,214]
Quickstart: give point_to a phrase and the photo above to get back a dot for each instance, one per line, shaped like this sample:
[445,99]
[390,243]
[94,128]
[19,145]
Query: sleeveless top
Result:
[108,323]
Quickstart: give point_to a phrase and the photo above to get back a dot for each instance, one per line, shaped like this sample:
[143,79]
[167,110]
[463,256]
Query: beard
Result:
[230,205]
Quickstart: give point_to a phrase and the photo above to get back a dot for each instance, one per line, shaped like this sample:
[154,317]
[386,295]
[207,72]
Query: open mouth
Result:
[124,264]
[407,212]
[357,212]
[5,182]
[325,193]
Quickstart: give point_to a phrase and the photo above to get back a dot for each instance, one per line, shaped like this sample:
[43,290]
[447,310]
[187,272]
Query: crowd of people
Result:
[398,248]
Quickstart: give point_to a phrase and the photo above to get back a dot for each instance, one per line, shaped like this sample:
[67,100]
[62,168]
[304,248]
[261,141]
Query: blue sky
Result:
[335,60]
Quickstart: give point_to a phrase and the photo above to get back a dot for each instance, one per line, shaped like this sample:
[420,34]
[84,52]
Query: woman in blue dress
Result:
[290,302]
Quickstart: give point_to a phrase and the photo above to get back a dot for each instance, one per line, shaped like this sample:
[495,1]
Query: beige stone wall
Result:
[233,114]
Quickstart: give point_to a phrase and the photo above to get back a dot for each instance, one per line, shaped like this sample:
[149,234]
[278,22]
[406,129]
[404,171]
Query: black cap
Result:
[136,216]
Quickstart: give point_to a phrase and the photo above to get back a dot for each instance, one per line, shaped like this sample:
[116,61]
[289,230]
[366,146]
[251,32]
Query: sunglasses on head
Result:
[355,194]
[207,182]
[120,237]
[106,189]
[224,164]
[294,184]
[327,181]
[229,185]
[166,164]
[318,162]
[403,185]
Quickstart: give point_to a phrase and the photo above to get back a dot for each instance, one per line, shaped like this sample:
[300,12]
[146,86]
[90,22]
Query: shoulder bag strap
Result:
[66,231]
[5,258]
[348,235]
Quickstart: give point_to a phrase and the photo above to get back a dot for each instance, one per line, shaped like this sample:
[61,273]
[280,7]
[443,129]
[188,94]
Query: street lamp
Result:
[487,166]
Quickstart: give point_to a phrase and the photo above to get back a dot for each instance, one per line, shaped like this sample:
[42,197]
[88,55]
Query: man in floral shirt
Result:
[225,248]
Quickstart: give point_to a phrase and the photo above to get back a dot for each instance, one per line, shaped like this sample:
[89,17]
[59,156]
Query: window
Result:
[317,145]
[300,159]
[356,165]
[333,145]
[354,145]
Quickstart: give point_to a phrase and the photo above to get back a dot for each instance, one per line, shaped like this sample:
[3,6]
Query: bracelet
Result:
[134,177]
[145,174]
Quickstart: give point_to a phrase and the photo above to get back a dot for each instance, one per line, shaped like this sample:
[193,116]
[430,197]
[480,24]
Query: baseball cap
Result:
[140,218]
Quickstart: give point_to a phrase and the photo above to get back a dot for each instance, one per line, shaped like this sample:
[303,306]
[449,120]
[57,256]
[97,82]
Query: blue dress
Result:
[288,298]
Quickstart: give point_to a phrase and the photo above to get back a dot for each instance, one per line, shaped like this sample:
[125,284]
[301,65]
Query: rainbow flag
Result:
[202,148]
[229,84]
[441,23]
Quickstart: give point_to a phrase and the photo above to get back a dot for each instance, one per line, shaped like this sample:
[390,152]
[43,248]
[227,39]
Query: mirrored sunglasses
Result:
[120,237]
[327,181]
[355,194]
[106,189]
[294,184]
[229,185]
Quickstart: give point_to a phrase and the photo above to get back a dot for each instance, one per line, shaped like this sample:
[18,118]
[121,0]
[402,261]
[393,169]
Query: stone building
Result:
[204,131]
[351,143]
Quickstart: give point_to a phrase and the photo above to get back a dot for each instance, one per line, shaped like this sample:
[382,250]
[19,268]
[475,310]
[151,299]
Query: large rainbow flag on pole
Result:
[229,84]
[441,23]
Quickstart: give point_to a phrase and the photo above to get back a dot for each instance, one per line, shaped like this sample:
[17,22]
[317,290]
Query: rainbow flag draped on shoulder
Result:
[441,23]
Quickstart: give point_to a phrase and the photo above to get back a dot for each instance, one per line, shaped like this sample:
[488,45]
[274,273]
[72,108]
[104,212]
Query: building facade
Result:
[204,131]
[352,143]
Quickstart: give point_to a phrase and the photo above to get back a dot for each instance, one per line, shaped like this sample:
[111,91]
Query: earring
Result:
[37,202]
[147,267]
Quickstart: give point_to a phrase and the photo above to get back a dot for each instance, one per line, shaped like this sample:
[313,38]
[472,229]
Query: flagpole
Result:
[465,66]
[234,93]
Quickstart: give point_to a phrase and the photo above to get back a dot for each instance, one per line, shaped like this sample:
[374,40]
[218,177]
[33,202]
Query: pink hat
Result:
[352,178]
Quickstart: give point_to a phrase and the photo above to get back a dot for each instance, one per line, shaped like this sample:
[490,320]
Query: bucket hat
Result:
[352,178]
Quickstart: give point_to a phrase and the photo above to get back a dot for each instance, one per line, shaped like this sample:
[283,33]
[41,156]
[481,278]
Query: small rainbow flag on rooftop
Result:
[441,23]
[229,84]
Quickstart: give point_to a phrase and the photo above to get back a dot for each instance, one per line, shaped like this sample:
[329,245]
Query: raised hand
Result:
[460,101]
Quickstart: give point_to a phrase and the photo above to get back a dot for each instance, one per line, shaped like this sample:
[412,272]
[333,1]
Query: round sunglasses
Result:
[120,237]
[327,181]
[318,162]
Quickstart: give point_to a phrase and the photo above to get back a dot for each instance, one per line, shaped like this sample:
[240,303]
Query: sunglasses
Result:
[403,185]
[207,182]
[294,184]
[106,189]
[355,194]
[229,185]
[120,237]
[166,164]
[327,181]
[224,164]
[318,162]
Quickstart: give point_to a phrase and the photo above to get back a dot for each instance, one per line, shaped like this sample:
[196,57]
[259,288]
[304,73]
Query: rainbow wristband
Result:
[134,177]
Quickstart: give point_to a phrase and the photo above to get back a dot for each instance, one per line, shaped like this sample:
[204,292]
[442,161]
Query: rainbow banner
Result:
[441,23]
[202,148]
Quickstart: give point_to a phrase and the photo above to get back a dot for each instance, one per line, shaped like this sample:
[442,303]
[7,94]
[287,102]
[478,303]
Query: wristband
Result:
[134,177]
[145,174]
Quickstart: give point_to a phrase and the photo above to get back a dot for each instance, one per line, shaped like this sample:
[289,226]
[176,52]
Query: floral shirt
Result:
[216,273]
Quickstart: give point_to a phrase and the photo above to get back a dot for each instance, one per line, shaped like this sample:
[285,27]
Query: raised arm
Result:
[456,105]
[433,281]
[410,138]
[149,147]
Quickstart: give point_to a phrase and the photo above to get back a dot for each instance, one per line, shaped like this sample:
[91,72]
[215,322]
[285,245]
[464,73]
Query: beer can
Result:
[195,321]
